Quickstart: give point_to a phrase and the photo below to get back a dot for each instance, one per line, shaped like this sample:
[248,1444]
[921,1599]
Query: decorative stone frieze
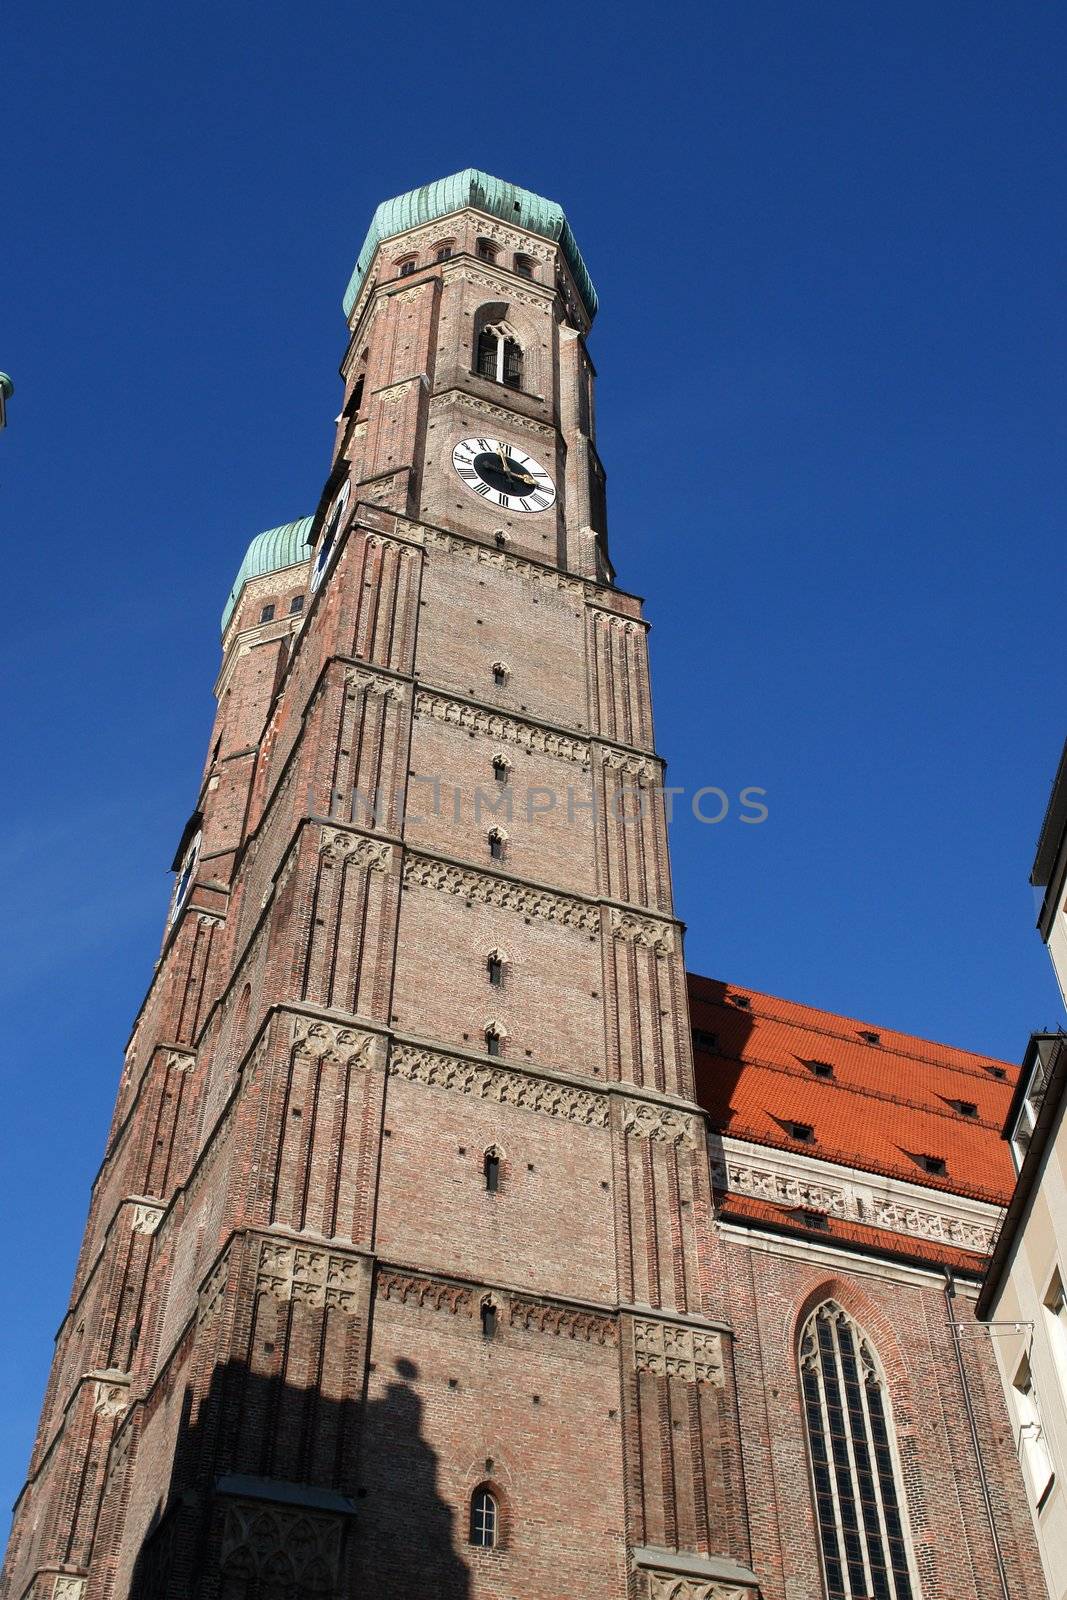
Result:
[321,1278]
[67,1588]
[645,1121]
[551,577]
[213,1291]
[331,1041]
[413,1287]
[440,1071]
[338,846]
[485,408]
[111,1396]
[501,288]
[431,873]
[646,773]
[371,683]
[668,1586]
[652,935]
[672,1350]
[476,719]
[539,1316]
[144,1217]
[260,1539]
[856,1202]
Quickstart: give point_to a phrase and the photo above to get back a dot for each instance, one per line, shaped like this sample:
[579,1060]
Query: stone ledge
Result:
[280,1492]
[685,1564]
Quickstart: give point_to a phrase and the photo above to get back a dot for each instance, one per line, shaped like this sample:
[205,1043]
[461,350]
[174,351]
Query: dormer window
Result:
[703,1039]
[869,1036]
[966,1108]
[802,1132]
[820,1069]
[936,1166]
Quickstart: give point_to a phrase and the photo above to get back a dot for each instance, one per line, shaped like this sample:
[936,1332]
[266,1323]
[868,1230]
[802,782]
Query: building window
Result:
[492,1042]
[500,674]
[802,1132]
[329,538]
[1056,1317]
[499,356]
[858,1500]
[496,845]
[501,771]
[443,252]
[821,1069]
[186,871]
[483,1519]
[488,1320]
[267,614]
[705,1040]
[495,969]
[407,268]
[486,250]
[869,1036]
[524,266]
[966,1108]
[355,399]
[1033,1451]
[936,1166]
[296,605]
[491,1168]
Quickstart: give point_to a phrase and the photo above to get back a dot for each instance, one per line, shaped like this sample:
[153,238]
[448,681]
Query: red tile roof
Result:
[887,1104]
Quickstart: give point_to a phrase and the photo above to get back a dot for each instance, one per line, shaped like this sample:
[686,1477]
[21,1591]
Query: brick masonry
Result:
[274,1375]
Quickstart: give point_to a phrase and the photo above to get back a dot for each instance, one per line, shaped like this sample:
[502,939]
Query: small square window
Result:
[802,1132]
[296,604]
[935,1165]
[267,614]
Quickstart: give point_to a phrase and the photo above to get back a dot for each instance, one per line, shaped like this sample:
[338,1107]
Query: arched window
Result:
[493,1041]
[483,1518]
[524,266]
[491,1168]
[497,351]
[185,868]
[443,251]
[495,970]
[486,250]
[858,1497]
[488,1320]
[501,770]
[496,844]
[500,674]
[329,538]
[407,267]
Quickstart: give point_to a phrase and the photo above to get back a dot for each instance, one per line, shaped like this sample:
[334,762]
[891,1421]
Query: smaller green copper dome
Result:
[269,552]
[471,188]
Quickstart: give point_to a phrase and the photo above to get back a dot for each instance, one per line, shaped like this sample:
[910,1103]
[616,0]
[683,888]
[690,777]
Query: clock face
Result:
[503,475]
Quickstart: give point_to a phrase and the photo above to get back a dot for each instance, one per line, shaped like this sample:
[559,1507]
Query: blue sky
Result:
[829,249]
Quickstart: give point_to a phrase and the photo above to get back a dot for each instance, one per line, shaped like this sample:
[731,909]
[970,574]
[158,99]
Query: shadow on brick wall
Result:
[277,1493]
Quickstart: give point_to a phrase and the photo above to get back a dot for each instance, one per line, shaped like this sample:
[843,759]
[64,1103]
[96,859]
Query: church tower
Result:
[399,1277]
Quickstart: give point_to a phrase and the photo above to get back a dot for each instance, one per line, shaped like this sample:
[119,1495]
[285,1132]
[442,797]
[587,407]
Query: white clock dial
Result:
[503,475]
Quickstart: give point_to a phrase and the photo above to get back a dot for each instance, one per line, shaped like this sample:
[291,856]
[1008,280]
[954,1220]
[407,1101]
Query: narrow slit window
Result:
[496,846]
[495,970]
[483,1529]
[492,1042]
[500,771]
[492,1171]
[488,1320]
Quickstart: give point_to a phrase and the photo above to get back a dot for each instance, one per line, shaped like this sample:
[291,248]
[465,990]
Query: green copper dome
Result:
[269,552]
[471,188]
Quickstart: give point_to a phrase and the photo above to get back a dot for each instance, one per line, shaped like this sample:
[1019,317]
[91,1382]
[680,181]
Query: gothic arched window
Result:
[859,1500]
[499,355]
[483,1518]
